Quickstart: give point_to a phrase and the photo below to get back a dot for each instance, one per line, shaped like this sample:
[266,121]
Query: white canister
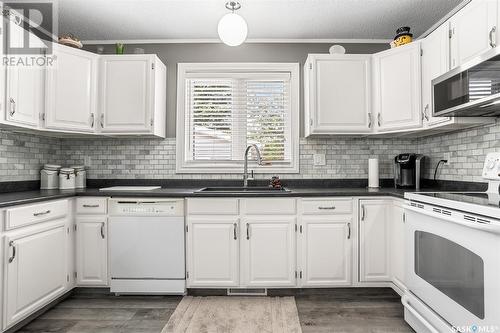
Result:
[49,177]
[67,179]
[80,176]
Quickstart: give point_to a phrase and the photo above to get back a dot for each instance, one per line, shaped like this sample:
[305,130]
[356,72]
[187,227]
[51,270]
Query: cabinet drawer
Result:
[272,206]
[220,206]
[327,206]
[26,215]
[91,205]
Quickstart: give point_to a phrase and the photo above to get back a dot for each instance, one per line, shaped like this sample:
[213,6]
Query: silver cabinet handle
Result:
[492,36]
[13,246]
[331,207]
[92,120]
[234,232]
[102,120]
[102,230]
[378,119]
[12,106]
[348,230]
[90,206]
[362,212]
[248,231]
[369,120]
[42,213]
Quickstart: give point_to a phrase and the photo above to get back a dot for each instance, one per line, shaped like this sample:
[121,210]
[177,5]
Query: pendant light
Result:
[232,27]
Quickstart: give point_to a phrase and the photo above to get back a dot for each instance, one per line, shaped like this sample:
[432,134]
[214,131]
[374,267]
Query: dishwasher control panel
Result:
[145,207]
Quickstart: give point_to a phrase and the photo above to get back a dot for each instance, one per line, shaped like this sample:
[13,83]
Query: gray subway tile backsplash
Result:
[22,155]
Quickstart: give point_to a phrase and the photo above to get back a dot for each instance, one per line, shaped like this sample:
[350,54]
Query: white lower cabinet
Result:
[325,251]
[35,269]
[398,245]
[91,251]
[212,251]
[268,251]
[374,240]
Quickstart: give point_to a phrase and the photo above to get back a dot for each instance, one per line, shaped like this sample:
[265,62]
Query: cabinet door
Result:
[397,88]
[268,251]
[339,94]
[374,227]
[71,90]
[435,62]
[212,251]
[91,251]
[325,251]
[398,245]
[474,30]
[25,87]
[35,270]
[126,93]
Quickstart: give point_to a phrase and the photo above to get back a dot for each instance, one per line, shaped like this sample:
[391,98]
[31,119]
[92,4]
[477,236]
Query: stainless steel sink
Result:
[242,189]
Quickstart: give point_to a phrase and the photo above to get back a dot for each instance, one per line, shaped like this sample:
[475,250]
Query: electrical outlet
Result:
[319,159]
[447,157]
[87,161]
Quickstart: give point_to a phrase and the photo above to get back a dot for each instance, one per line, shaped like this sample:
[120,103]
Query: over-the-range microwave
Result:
[470,90]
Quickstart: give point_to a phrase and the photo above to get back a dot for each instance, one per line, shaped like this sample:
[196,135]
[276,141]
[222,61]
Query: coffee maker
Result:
[407,170]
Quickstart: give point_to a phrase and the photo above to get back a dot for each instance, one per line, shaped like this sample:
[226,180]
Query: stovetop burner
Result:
[477,198]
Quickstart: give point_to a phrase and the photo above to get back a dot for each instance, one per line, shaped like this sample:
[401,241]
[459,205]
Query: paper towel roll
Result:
[373,172]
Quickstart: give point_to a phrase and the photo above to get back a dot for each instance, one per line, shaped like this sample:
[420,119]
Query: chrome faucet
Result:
[245,168]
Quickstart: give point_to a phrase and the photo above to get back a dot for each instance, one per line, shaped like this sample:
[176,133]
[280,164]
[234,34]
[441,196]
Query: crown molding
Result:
[249,41]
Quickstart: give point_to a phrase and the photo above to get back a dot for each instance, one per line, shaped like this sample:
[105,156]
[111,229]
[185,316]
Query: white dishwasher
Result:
[146,246]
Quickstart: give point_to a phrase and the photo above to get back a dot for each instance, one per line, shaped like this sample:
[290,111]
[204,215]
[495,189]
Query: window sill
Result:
[214,169]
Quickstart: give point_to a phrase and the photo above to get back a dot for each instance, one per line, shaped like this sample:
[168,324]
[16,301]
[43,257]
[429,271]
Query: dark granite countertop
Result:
[25,197]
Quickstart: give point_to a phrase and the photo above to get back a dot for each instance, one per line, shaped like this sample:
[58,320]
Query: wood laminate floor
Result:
[366,310]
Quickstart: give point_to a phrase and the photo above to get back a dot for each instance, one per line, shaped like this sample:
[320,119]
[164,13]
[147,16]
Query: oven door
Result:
[453,266]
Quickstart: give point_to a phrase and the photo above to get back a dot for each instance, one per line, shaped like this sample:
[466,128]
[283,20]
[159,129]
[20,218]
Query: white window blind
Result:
[222,108]
[226,113]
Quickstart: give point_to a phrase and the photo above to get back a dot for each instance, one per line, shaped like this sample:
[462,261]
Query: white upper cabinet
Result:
[435,62]
[397,88]
[337,94]
[473,30]
[132,95]
[24,87]
[71,90]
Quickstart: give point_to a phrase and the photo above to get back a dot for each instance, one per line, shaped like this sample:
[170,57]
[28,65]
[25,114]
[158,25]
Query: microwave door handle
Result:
[473,225]
[493,31]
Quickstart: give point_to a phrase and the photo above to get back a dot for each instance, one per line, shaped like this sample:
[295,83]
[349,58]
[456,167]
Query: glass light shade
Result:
[232,29]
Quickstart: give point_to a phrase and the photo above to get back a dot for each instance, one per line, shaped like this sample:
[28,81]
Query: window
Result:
[223,108]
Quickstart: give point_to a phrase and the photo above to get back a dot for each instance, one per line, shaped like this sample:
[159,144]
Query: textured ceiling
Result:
[267,19]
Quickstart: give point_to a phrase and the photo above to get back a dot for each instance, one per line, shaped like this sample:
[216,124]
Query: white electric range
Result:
[453,258]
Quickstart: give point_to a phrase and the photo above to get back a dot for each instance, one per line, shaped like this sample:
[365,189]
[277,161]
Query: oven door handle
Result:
[417,315]
[473,225]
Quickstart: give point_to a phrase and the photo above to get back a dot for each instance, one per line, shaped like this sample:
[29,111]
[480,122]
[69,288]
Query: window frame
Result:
[184,70]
